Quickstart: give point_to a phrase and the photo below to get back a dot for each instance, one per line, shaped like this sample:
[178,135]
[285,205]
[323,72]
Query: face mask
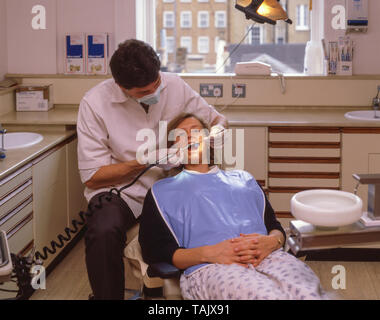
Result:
[151,98]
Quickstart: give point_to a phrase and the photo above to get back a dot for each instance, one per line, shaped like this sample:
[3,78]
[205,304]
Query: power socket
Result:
[239,90]
[212,90]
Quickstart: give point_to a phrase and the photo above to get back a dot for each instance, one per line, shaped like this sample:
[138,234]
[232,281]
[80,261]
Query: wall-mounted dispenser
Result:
[356,16]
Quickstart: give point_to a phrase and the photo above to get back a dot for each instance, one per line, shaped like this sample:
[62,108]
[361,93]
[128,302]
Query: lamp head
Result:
[263,11]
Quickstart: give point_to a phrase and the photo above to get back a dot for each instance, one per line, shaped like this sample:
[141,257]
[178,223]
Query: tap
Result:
[376,102]
[2,150]
[373,181]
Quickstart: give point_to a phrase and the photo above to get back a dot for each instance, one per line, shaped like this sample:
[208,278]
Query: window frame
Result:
[199,19]
[191,43]
[171,38]
[164,19]
[190,20]
[224,20]
[304,17]
[199,45]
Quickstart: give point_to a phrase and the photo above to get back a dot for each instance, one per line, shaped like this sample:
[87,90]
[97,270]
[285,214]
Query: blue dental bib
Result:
[205,209]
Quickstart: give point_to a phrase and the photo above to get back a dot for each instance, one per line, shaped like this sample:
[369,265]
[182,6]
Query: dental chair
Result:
[157,281]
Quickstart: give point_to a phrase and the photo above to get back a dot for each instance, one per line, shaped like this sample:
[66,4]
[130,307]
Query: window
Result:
[220,19]
[186,19]
[255,35]
[203,45]
[199,25]
[203,19]
[168,19]
[186,42]
[302,17]
[170,44]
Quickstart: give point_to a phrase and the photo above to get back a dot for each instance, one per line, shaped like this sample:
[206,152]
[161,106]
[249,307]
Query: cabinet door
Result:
[360,154]
[49,199]
[75,188]
[253,152]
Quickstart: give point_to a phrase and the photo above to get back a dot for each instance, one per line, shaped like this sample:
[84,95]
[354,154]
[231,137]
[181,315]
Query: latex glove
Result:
[216,136]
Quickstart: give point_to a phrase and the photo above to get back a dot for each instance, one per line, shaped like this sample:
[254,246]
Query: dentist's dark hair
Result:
[135,64]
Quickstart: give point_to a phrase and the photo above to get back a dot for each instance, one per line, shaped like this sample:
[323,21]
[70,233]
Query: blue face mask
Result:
[151,99]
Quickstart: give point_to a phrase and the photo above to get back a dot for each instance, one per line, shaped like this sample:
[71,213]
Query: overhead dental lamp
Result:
[263,11]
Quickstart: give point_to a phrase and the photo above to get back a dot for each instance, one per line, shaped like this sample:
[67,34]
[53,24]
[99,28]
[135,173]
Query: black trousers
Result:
[105,241]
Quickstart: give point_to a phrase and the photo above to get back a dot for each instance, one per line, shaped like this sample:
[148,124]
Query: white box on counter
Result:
[75,50]
[97,48]
[34,98]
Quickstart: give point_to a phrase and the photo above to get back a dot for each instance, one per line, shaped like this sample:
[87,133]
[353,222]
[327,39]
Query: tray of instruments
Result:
[305,236]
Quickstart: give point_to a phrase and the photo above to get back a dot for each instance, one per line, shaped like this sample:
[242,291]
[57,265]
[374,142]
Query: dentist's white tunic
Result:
[108,122]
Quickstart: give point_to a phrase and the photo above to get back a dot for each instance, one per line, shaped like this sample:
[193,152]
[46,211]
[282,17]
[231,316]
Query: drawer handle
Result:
[15,191]
[16,210]
[19,226]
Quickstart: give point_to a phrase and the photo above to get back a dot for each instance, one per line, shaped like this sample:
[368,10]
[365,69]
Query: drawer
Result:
[304,167]
[304,137]
[307,182]
[21,234]
[290,152]
[14,199]
[14,180]
[280,201]
[17,215]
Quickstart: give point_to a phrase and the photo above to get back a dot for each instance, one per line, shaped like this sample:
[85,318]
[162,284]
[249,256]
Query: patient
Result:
[219,227]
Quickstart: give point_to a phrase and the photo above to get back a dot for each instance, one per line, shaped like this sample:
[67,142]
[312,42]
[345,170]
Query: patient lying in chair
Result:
[219,228]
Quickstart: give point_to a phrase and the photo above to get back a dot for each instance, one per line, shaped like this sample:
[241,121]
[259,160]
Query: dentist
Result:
[138,96]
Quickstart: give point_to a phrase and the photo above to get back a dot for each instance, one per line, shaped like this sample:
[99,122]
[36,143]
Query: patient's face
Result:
[191,131]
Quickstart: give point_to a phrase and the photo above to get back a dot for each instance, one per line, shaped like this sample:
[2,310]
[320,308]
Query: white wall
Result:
[367,46]
[42,51]
[3,40]
[29,50]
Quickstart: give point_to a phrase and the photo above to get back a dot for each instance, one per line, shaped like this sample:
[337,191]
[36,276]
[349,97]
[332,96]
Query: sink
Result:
[363,115]
[327,208]
[16,140]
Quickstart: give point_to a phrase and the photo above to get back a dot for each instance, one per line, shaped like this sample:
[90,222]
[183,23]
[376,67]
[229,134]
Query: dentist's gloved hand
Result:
[168,158]
[217,136]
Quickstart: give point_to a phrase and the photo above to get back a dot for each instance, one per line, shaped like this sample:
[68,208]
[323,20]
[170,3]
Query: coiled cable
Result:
[62,239]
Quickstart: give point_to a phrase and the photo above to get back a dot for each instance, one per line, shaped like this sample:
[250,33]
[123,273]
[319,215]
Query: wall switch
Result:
[211,90]
[239,90]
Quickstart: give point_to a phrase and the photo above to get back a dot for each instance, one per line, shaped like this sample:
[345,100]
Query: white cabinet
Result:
[360,154]
[58,194]
[75,189]
[253,152]
[49,198]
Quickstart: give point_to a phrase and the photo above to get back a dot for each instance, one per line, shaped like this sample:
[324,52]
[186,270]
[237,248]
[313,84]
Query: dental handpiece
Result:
[170,155]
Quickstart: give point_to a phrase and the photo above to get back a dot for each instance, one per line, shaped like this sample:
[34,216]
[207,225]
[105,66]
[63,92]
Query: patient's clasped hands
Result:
[245,250]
